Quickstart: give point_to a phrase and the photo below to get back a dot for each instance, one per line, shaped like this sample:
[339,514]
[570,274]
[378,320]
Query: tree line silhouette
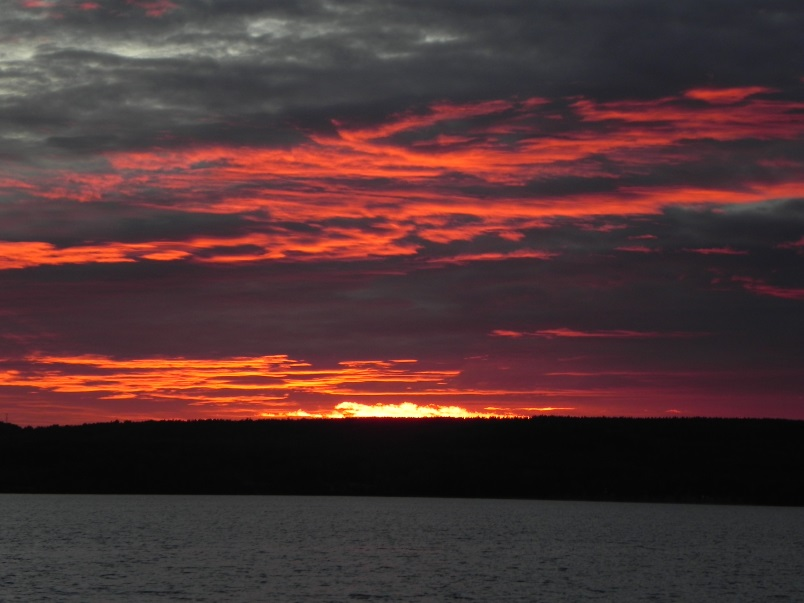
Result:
[743,461]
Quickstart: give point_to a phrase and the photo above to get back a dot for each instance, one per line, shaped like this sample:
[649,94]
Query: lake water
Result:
[275,549]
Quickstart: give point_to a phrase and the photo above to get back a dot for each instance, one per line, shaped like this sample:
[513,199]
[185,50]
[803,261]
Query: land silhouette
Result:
[695,460]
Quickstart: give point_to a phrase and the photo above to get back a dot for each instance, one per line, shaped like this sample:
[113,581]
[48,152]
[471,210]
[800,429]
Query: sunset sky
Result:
[243,208]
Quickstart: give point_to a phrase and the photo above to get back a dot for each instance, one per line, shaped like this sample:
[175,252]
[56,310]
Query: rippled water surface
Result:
[262,548]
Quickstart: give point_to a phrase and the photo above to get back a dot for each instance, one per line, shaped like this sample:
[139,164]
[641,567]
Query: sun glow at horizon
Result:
[403,410]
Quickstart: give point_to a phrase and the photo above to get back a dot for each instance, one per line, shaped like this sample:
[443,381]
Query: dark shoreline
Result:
[696,460]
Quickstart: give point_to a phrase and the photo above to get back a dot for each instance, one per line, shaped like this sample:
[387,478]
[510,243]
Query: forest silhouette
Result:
[695,460]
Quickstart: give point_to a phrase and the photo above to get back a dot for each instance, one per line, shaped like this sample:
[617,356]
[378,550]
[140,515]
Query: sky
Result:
[247,209]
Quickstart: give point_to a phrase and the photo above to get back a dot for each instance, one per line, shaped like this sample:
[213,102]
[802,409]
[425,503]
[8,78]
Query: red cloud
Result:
[762,288]
[797,246]
[603,334]
[717,251]
[154,8]
[726,96]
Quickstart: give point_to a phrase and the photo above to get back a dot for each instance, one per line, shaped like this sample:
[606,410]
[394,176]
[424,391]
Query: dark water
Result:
[205,548]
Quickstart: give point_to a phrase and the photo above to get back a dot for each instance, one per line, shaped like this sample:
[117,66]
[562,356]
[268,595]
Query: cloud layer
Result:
[553,204]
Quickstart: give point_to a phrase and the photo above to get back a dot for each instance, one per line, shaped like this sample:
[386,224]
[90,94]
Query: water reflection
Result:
[206,548]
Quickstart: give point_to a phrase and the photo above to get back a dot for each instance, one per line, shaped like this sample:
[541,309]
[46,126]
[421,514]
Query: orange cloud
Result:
[366,193]
[359,153]
[220,381]
[725,118]
[337,244]
[91,387]
[27,254]
[72,389]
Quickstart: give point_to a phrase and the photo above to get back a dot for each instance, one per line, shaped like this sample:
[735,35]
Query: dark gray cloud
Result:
[117,73]
[69,224]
